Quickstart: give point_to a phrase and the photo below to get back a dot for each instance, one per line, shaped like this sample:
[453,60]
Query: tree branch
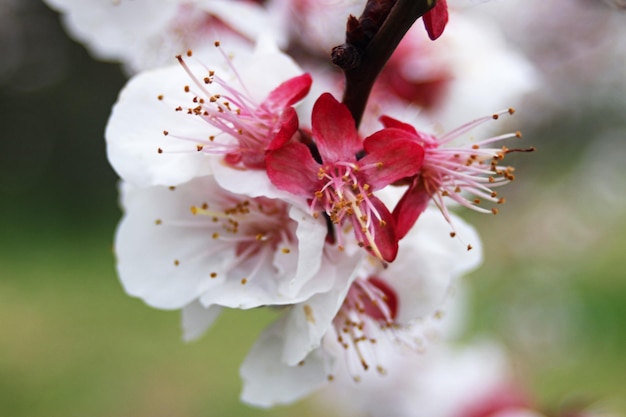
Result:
[362,61]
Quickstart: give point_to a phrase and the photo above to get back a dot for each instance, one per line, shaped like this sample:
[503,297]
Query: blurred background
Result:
[552,288]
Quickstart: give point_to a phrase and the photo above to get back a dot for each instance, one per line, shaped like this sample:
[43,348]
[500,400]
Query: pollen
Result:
[286,251]
[176,262]
[189,52]
[159,150]
[160,96]
[244,281]
[158,222]
[213,274]
[165,133]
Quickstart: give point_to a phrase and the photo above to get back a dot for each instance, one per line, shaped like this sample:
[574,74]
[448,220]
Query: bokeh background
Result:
[552,289]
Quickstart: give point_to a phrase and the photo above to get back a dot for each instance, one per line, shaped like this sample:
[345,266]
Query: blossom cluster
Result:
[248,181]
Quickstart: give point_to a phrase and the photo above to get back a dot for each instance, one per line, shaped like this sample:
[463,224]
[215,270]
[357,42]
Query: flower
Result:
[110,29]
[473,380]
[465,174]
[199,242]
[167,121]
[342,186]
[350,327]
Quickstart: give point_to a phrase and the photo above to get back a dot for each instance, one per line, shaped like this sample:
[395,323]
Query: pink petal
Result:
[436,19]
[293,169]
[396,154]
[385,244]
[410,207]
[391,122]
[289,92]
[334,131]
[288,127]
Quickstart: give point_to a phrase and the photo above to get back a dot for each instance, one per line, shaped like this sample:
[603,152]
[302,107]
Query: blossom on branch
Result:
[167,121]
[350,329]
[340,185]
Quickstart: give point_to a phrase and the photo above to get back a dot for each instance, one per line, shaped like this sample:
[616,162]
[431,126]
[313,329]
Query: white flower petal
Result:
[268,381]
[196,319]
[111,29]
[310,320]
[160,244]
[428,261]
[135,131]
[250,182]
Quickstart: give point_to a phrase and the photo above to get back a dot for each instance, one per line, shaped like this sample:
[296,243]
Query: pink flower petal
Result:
[385,241]
[395,155]
[334,131]
[410,207]
[391,122]
[289,92]
[436,19]
[288,127]
[293,169]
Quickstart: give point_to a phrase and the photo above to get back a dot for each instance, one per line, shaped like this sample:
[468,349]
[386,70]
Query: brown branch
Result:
[370,42]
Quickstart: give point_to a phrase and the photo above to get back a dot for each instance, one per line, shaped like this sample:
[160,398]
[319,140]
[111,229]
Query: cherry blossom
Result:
[198,242]
[145,34]
[345,328]
[466,174]
[471,380]
[342,186]
[167,121]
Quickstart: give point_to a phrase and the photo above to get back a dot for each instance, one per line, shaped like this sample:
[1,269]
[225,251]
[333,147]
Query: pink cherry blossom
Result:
[199,242]
[255,126]
[466,174]
[167,121]
[342,186]
[351,329]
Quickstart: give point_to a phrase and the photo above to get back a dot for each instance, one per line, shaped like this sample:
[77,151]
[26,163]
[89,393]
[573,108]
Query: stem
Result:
[361,78]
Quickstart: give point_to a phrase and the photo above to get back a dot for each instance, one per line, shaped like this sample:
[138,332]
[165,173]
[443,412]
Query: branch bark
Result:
[363,61]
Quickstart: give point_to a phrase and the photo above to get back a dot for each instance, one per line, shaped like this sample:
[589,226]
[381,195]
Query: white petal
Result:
[268,381]
[161,246]
[135,131]
[428,261]
[310,320]
[196,319]
[115,29]
[311,235]
[247,18]
[250,182]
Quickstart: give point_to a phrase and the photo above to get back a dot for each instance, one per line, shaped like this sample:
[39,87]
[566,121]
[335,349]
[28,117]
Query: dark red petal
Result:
[293,169]
[334,131]
[288,127]
[391,299]
[410,207]
[391,154]
[289,92]
[391,122]
[436,19]
[385,241]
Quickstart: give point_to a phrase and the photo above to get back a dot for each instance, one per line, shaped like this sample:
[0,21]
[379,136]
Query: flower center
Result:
[343,196]
[256,228]
[370,306]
